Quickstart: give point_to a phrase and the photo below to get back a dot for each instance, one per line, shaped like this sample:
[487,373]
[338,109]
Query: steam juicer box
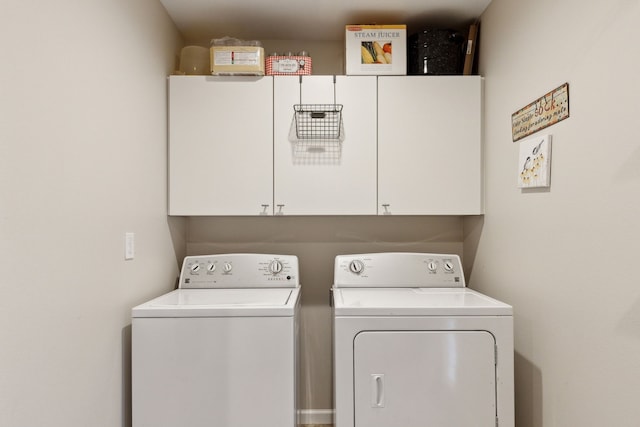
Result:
[376,49]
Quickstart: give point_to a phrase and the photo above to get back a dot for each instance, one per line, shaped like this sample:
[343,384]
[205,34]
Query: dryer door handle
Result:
[377,390]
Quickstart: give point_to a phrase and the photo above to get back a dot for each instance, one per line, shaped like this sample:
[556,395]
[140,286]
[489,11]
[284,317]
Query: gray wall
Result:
[82,161]
[565,257]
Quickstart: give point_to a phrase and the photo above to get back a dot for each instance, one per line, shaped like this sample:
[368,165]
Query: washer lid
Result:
[416,302]
[279,302]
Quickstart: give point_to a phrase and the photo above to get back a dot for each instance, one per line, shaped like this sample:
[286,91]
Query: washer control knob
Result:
[432,266]
[195,267]
[211,267]
[448,266]
[275,267]
[356,266]
[227,267]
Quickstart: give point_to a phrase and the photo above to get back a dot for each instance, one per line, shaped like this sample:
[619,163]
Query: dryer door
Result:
[425,378]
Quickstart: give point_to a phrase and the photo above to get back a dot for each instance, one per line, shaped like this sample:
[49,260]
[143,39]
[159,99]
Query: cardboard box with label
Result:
[237,60]
[376,50]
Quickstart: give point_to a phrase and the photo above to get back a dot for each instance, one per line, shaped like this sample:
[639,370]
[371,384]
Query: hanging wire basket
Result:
[318,121]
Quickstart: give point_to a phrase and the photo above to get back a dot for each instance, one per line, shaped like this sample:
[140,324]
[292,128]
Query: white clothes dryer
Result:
[414,347]
[222,348]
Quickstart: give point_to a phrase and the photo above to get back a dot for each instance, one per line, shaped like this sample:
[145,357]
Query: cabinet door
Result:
[429,145]
[315,172]
[438,378]
[220,145]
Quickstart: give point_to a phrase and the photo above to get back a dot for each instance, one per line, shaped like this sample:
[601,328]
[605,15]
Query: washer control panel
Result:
[239,271]
[399,269]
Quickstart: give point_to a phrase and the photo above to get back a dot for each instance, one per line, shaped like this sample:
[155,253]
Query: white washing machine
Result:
[221,349]
[414,347]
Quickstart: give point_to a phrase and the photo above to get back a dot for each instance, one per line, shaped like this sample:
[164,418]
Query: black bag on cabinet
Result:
[436,52]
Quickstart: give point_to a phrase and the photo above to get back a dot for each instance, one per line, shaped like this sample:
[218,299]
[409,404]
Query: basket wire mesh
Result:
[318,121]
[317,132]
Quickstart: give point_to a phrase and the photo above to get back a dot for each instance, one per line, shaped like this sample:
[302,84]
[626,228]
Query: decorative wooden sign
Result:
[541,113]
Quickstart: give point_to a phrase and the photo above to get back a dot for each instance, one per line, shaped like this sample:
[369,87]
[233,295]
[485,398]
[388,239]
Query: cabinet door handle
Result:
[280,210]
[386,209]
[264,210]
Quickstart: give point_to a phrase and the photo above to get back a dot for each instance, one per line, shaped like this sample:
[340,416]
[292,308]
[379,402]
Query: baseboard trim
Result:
[315,416]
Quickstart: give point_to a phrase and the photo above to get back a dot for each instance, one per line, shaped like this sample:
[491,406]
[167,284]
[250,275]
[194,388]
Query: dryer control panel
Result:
[239,271]
[398,269]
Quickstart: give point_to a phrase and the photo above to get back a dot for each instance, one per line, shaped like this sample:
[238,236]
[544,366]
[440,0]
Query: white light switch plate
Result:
[129,246]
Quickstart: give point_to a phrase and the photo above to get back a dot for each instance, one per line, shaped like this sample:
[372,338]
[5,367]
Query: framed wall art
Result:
[534,164]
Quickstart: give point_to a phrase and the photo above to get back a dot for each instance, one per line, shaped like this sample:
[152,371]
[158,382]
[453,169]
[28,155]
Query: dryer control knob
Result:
[356,266]
[227,267]
[275,267]
[195,267]
[211,267]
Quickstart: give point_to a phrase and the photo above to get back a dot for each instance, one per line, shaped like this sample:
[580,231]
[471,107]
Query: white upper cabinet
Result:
[429,145]
[357,145]
[220,146]
[325,154]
